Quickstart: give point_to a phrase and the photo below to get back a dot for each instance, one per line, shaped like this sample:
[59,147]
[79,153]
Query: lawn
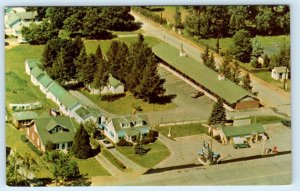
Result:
[183,130]
[92,167]
[18,87]
[271,44]
[266,76]
[13,140]
[125,105]
[169,12]
[157,154]
[91,45]
[266,119]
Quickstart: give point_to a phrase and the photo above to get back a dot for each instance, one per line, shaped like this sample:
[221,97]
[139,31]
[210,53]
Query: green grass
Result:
[91,45]
[92,167]
[18,87]
[125,104]
[169,12]
[157,153]
[13,140]
[271,44]
[266,119]
[183,130]
[266,76]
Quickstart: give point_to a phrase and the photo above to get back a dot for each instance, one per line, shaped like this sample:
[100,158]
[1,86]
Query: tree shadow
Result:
[157,9]
[6,43]
[164,99]
[81,180]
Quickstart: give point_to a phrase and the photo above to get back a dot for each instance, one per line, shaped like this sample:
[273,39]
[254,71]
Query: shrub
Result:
[34,149]
[94,143]
[24,138]
[123,143]
[113,159]
[50,146]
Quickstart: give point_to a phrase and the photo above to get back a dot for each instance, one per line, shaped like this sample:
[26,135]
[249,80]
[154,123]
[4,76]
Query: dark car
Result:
[241,145]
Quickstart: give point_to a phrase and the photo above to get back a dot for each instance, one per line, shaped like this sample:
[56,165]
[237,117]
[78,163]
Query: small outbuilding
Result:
[24,119]
[279,73]
[113,86]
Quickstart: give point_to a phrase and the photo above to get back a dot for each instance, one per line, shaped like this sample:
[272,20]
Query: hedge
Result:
[113,159]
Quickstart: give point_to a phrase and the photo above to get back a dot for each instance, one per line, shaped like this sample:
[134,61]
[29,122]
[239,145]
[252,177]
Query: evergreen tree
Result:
[205,55]
[247,82]
[177,18]
[80,62]
[81,147]
[218,114]
[86,72]
[241,48]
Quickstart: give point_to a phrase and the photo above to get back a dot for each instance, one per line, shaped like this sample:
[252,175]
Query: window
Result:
[63,146]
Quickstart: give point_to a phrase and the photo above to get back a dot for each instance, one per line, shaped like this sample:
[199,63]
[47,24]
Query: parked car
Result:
[22,40]
[241,145]
[106,143]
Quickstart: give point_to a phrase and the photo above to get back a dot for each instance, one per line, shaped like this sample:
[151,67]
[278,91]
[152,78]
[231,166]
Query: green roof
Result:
[62,95]
[43,126]
[83,112]
[33,62]
[243,130]
[12,20]
[113,81]
[208,78]
[45,80]
[36,72]
[26,15]
[131,119]
[8,10]
[25,115]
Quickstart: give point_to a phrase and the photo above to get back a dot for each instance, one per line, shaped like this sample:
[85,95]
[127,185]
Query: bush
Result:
[123,143]
[24,138]
[34,149]
[113,159]
[111,97]
[50,146]
[94,143]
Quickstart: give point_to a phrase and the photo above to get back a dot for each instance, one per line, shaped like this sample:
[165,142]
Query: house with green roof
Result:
[23,118]
[128,127]
[251,133]
[113,86]
[30,64]
[205,79]
[36,74]
[58,130]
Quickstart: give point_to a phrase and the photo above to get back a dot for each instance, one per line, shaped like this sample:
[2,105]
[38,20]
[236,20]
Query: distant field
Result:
[271,44]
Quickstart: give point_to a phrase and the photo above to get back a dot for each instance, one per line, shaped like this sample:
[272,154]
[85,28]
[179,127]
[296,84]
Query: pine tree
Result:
[218,114]
[205,55]
[81,147]
[80,62]
[86,72]
[247,82]
[177,18]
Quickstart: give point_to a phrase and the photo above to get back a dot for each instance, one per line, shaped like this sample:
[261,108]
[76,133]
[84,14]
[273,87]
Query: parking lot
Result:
[188,108]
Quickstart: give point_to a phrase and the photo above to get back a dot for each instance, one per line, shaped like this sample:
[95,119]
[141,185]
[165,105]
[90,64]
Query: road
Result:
[269,95]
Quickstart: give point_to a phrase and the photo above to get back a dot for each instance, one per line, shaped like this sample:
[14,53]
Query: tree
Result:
[57,15]
[257,51]
[177,18]
[81,147]
[19,169]
[80,62]
[61,166]
[246,81]
[39,33]
[50,52]
[242,47]
[205,55]
[218,114]
[101,75]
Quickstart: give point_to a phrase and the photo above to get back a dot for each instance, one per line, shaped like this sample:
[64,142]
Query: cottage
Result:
[279,73]
[84,114]
[14,21]
[30,64]
[251,133]
[113,86]
[35,75]
[127,127]
[56,130]
[24,119]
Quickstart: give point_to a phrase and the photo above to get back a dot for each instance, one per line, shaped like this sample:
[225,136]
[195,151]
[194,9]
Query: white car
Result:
[22,40]
[105,143]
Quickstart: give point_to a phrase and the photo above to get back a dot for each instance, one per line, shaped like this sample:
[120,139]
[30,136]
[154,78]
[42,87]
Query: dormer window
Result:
[58,129]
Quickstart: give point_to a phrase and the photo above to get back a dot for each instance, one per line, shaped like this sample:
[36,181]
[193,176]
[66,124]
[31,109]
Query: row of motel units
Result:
[71,107]
[204,79]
